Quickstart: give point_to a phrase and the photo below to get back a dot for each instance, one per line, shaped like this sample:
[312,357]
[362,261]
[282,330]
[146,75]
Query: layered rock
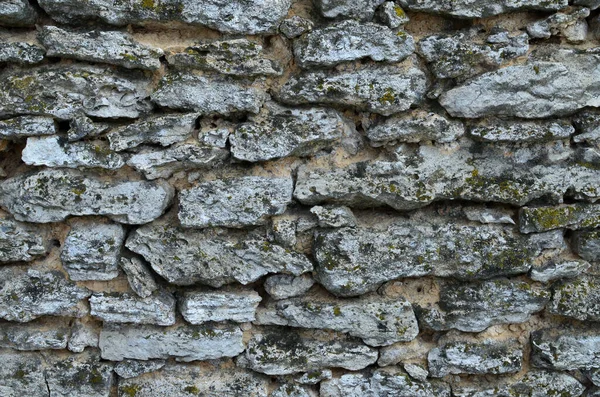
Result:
[20,241]
[571,216]
[157,309]
[139,276]
[521,131]
[570,24]
[282,286]
[35,335]
[17,13]
[557,269]
[566,349]
[21,52]
[25,126]
[133,368]
[22,373]
[577,298]
[586,244]
[80,375]
[480,8]
[334,216]
[363,9]
[237,305]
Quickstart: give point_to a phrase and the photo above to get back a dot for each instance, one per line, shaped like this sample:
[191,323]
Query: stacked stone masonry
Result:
[275,198]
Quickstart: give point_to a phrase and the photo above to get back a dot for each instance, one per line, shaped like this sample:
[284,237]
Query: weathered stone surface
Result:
[480,8]
[24,126]
[314,377]
[560,23]
[113,47]
[17,13]
[81,126]
[416,371]
[334,216]
[55,151]
[182,380]
[379,89]
[161,130]
[207,94]
[280,353]
[21,374]
[570,216]
[83,334]
[352,261]
[587,125]
[587,245]
[140,278]
[389,381]
[488,215]
[280,132]
[416,126]
[21,53]
[521,131]
[20,241]
[26,294]
[474,307]
[256,17]
[235,202]
[565,350]
[292,390]
[35,335]
[350,40]
[91,251]
[461,56]
[282,286]
[157,309]
[488,357]
[162,163]
[578,298]
[362,9]
[237,305]
[295,26]
[239,57]
[63,90]
[392,15]
[212,257]
[52,195]
[132,368]
[80,375]
[183,342]
[557,269]
[556,81]
[378,321]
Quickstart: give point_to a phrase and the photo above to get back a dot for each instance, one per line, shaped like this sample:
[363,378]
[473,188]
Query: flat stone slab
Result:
[566,349]
[21,53]
[20,241]
[24,126]
[237,305]
[157,309]
[480,8]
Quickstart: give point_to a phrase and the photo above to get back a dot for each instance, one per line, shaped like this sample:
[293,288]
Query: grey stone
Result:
[280,132]
[577,298]
[17,13]
[237,305]
[26,294]
[238,57]
[314,377]
[236,202]
[461,56]
[82,126]
[55,151]
[378,89]
[52,195]
[392,15]
[569,216]
[182,380]
[480,8]
[278,353]
[377,321]
[587,125]
[157,309]
[291,390]
[416,371]
[351,40]
[363,9]
[473,307]
[225,16]
[594,376]
[488,215]
[212,257]
[132,368]
[565,350]
[21,52]
[557,269]
[282,286]
[559,23]
[295,26]
[556,81]
[208,95]
[79,375]
[487,357]
[112,47]
[83,334]
[352,261]
[21,374]
[586,244]
[592,4]
[161,130]
[91,251]
[25,126]
[140,278]
[334,216]
[64,90]
[162,163]
[416,126]
[521,131]
[35,335]
[20,241]
[182,342]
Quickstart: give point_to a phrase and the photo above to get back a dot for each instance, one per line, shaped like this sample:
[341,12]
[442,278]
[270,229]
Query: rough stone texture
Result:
[140,278]
[523,131]
[183,342]
[83,335]
[80,375]
[276,353]
[20,241]
[35,335]
[392,15]
[237,305]
[234,202]
[133,368]
[52,195]
[21,53]
[212,257]
[113,47]
[158,309]
[377,321]
[282,286]
[563,23]
[577,298]
[295,26]
[24,126]
[567,349]
[587,245]
[379,89]
[363,9]
[573,216]
[333,216]
[557,269]
[17,13]
[82,126]
[480,8]
[91,251]
[349,40]
[21,374]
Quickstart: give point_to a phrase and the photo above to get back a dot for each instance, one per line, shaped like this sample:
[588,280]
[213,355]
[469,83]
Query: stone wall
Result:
[274,198]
